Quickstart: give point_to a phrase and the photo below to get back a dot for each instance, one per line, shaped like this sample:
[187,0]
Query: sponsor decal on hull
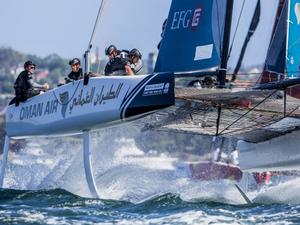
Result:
[38,110]
[99,98]
[156,89]
[90,97]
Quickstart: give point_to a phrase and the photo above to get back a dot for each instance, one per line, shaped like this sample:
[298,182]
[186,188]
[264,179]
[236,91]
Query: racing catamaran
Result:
[86,105]
[93,103]
[264,129]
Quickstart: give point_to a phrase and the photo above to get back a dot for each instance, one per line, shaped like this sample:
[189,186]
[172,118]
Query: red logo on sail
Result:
[196,18]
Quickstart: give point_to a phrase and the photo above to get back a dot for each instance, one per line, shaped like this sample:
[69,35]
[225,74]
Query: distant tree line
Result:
[11,64]
[11,61]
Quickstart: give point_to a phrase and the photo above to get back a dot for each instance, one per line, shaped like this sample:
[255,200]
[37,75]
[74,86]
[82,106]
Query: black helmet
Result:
[74,61]
[28,63]
[110,49]
[136,53]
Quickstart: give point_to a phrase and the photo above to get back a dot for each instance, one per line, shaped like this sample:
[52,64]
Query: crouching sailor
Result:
[25,87]
[118,63]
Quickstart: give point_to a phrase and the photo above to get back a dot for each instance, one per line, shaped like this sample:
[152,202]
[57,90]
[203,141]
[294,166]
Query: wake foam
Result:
[124,170]
[283,193]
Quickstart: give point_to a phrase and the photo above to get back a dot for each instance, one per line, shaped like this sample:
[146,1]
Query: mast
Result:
[226,43]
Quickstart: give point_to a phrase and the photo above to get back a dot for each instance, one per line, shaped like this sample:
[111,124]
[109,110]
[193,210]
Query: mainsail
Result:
[293,41]
[275,61]
[282,63]
[193,37]
[184,50]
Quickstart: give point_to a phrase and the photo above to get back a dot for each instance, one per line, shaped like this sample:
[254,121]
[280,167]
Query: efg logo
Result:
[196,17]
[186,18]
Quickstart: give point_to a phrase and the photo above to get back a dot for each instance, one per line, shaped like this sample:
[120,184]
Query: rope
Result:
[269,96]
[219,27]
[264,124]
[96,23]
[275,31]
[234,36]
[70,98]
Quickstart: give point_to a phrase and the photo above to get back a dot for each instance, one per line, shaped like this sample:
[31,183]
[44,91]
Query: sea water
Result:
[61,207]
[137,184]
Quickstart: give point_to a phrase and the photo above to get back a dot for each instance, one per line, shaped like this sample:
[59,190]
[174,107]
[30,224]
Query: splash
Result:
[127,167]
[283,193]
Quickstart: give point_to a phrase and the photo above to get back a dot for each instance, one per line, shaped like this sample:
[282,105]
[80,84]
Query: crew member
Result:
[135,59]
[76,73]
[118,63]
[25,87]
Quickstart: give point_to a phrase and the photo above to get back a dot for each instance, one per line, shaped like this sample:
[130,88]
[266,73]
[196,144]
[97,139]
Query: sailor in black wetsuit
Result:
[118,62]
[76,73]
[25,87]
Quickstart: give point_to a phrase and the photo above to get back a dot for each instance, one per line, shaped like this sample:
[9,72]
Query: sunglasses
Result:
[76,64]
[32,67]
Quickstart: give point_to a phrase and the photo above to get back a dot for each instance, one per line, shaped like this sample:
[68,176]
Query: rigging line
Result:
[219,27]
[249,127]
[276,23]
[251,118]
[295,109]
[70,98]
[272,72]
[269,96]
[267,123]
[239,114]
[257,123]
[236,29]
[275,29]
[96,23]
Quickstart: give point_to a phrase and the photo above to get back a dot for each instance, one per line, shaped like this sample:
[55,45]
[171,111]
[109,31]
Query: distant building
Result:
[41,74]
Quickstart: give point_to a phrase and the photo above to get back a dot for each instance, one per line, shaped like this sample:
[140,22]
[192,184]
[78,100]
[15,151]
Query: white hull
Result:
[278,154]
[74,107]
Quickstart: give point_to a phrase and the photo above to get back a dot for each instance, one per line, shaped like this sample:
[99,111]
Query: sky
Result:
[64,27]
